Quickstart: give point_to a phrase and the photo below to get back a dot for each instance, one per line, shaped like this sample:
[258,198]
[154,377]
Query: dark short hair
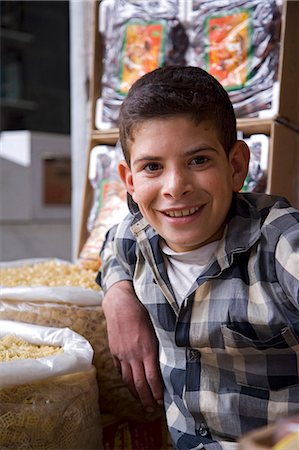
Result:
[177,91]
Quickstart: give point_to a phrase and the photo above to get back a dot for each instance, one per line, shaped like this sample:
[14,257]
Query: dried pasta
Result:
[13,347]
[48,273]
[89,321]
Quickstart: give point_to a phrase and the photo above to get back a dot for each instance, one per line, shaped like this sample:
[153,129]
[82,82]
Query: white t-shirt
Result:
[183,268]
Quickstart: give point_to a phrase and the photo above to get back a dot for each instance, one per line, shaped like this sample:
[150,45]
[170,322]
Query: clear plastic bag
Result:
[102,172]
[76,357]
[238,42]
[138,37]
[60,412]
[109,202]
[256,180]
[87,319]
[49,402]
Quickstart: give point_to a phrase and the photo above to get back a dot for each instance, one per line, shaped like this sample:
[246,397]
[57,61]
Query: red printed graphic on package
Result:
[143,50]
[228,48]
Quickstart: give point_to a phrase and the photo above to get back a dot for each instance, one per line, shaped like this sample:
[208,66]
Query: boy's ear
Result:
[126,176]
[239,160]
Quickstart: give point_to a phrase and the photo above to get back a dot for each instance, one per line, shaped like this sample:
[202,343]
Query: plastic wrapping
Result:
[109,202]
[102,172]
[87,319]
[238,42]
[138,37]
[256,180]
[60,412]
[77,353]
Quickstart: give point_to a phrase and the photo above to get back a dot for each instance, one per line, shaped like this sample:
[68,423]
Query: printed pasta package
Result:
[256,180]
[50,401]
[53,307]
[138,37]
[109,202]
[238,42]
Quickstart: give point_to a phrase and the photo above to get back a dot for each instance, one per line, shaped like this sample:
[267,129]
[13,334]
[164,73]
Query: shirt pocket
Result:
[271,364]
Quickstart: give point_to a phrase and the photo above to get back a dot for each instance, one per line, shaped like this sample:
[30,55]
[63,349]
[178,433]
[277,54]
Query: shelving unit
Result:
[34,91]
[283,128]
[19,38]
[13,93]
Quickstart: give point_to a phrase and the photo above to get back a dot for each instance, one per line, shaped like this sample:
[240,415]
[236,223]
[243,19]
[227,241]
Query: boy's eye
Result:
[152,167]
[197,160]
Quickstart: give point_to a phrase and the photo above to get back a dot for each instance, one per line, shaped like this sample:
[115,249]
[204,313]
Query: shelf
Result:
[107,136]
[248,126]
[255,126]
[14,103]
[14,36]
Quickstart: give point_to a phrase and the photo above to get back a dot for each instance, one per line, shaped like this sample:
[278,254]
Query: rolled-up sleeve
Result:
[117,256]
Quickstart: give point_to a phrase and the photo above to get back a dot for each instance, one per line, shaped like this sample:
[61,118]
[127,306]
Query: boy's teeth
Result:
[183,212]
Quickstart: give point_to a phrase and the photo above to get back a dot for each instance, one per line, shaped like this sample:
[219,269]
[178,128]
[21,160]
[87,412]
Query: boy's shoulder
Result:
[255,215]
[263,204]
[268,210]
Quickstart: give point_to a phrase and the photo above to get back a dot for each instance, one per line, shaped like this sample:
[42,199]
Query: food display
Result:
[49,272]
[109,204]
[137,37]
[238,42]
[256,180]
[52,306]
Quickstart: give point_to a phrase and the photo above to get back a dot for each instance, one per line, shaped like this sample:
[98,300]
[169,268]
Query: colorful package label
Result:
[228,47]
[143,50]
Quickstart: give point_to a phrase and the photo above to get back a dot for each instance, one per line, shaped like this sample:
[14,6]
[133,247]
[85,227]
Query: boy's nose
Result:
[176,184]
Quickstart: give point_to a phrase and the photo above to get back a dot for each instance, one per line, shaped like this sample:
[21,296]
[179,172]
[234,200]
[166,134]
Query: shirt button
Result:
[203,429]
[193,355]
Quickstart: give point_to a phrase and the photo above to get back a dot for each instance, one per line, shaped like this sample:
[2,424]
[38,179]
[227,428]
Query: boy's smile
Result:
[182,179]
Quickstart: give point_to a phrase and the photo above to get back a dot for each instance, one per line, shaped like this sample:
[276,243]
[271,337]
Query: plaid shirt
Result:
[230,354]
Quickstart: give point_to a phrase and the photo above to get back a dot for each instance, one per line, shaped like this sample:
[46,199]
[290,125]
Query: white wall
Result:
[81,28]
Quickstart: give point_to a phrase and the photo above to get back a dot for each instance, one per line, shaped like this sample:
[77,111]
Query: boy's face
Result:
[182,180]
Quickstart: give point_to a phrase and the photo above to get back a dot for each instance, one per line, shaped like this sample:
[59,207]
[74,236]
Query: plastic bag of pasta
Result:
[47,279]
[238,42]
[109,202]
[53,306]
[48,389]
[138,37]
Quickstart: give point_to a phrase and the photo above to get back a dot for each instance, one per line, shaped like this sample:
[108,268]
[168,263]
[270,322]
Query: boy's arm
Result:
[133,343]
[131,336]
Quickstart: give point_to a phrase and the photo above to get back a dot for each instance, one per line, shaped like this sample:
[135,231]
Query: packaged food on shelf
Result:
[138,37]
[238,42]
[51,401]
[256,180]
[109,205]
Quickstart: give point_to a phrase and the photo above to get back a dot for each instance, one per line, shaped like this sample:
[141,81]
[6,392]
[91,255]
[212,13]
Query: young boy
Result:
[215,270]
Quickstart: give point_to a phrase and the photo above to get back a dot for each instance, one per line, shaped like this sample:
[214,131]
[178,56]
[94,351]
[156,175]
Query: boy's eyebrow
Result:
[199,149]
[148,158]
